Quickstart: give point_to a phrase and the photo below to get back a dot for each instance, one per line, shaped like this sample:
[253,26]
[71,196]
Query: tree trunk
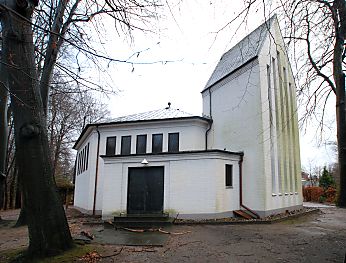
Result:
[47,224]
[341,134]
[3,132]
[339,17]
[22,219]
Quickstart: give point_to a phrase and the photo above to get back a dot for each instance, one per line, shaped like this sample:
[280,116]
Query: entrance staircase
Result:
[142,221]
[244,214]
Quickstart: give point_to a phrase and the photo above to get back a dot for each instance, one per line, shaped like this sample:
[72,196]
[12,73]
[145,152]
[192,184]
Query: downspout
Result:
[241,187]
[210,123]
[97,168]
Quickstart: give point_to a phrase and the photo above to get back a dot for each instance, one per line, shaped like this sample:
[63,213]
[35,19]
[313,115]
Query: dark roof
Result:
[166,114]
[243,52]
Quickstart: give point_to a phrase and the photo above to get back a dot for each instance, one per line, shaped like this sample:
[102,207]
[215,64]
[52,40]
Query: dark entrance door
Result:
[145,190]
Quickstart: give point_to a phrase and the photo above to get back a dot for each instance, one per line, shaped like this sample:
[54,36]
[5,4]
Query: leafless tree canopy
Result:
[38,39]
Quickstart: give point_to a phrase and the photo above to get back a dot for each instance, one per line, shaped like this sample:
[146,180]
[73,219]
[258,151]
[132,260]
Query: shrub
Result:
[330,194]
[312,193]
[326,180]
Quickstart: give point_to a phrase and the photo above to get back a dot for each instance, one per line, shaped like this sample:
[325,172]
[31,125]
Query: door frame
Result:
[163,186]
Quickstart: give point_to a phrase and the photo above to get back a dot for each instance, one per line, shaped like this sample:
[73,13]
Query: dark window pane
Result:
[80,162]
[125,145]
[229,175]
[87,158]
[78,165]
[83,160]
[110,145]
[157,143]
[141,146]
[173,142]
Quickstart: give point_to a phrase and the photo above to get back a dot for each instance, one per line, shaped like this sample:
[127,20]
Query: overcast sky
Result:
[186,36]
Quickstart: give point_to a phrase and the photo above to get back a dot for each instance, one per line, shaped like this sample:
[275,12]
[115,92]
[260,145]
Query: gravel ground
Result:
[318,237]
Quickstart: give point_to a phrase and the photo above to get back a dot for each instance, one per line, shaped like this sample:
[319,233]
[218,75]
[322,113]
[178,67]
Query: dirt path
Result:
[314,238]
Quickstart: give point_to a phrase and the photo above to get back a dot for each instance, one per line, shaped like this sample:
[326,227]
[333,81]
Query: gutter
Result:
[210,123]
[241,188]
[97,168]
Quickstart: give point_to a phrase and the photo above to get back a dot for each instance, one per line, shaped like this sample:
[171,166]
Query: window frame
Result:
[157,148]
[176,143]
[108,147]
[228,175]
[143,149]
[127,143]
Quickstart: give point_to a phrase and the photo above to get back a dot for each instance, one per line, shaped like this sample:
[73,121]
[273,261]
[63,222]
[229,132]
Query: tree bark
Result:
[341,135]
[339,17]
[47,224]
[3,131]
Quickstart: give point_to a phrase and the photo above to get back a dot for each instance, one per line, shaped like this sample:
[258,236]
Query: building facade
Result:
[242,153]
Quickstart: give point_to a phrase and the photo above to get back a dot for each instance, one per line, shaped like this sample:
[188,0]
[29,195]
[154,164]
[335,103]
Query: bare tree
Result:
[68,114]
[315,33]
[29,77]
[3,131]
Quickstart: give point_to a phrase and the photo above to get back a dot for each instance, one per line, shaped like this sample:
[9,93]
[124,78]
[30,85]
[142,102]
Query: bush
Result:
[326,180]
[330,194]
[322,199]
[317,194]
[312,193]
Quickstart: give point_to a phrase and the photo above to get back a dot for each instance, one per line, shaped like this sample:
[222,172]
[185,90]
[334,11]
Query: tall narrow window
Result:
[173,142]
[125,145]
[110,145]
[271,130]
[83,160]
[229,175]
[141,145]
[78,162]
[157,143]
[87,157]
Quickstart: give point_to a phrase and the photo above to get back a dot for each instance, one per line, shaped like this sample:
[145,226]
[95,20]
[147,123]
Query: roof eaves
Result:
[179,153]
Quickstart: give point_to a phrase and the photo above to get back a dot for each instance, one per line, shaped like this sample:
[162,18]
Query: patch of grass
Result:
[18,255]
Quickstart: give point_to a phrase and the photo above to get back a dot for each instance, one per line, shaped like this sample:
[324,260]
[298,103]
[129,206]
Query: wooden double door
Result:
[145,190]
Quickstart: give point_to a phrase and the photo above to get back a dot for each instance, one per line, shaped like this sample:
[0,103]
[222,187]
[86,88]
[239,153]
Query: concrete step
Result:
[144,217]
[142,221]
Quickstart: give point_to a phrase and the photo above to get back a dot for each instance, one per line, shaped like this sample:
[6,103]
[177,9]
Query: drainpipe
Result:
[97,168]
[210,123]
[241,187]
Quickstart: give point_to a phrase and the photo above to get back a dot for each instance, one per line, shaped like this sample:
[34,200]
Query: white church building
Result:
[242,153]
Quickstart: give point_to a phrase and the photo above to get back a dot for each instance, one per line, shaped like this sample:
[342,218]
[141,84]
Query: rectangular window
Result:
[229,175]
[110,145]
[78,164]
[157,143]
[87,157]
[125,145]
[173,142]
[141,146]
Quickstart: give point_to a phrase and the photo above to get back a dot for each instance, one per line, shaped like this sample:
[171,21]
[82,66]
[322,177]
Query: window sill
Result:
[229,187]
